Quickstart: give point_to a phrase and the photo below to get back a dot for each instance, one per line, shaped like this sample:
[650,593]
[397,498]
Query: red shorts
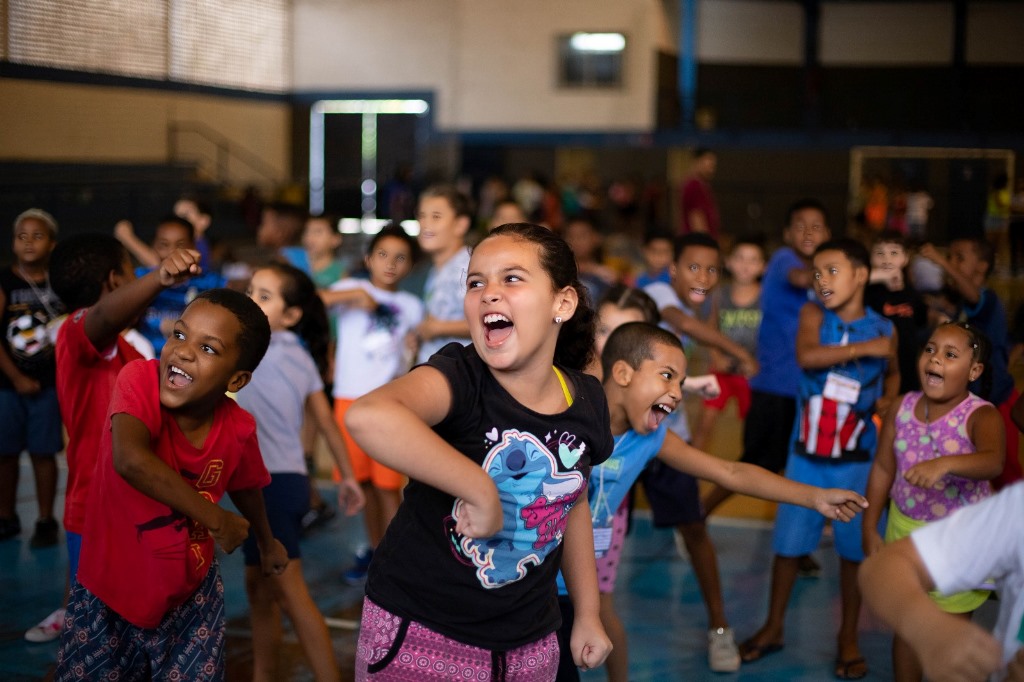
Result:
[733,385]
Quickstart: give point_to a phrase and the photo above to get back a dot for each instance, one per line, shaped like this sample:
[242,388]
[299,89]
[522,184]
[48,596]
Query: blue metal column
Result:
[688,62]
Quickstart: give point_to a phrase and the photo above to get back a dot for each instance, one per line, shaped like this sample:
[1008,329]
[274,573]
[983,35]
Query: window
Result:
[591,60]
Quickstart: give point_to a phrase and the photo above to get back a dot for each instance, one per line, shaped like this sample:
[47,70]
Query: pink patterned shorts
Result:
[395,649]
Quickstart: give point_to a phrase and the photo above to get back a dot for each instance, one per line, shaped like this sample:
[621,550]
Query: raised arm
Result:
[140,250]
[749,479]
[114,312]
[410,405]
[970,291]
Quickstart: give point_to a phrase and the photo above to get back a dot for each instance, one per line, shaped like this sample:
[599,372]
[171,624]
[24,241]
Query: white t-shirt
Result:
[444,296]
[371,344]
[665,296]
[982,541]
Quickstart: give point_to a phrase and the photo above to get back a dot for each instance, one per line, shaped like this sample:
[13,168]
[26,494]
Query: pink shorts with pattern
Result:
[399,650]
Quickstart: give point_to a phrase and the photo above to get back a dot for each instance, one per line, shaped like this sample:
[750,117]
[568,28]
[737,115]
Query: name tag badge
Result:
[842,389]
[602,541]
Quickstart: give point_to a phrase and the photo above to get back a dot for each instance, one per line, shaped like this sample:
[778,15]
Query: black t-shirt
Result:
[28,322]
[909,316]
[496,593]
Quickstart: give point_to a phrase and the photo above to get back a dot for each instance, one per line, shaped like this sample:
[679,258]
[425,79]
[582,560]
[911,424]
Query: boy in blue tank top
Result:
[847,356]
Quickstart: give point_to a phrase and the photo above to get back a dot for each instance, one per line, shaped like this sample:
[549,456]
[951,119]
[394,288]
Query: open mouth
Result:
[178,378]
[658,413]
[698,293]
[825,293]
[497,328]
[932,379]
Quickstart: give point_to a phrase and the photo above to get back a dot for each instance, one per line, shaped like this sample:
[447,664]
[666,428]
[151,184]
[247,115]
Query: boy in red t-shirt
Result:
[148,593]
[92,275]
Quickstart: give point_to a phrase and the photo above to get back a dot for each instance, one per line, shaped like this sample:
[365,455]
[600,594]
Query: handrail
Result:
[226,149]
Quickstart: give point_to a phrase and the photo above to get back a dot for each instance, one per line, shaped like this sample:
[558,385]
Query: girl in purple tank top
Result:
[936,454]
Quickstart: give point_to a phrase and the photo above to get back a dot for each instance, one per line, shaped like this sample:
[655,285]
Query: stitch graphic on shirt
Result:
[535,499]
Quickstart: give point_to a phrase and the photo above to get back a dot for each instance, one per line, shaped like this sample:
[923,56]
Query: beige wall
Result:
[59,122]
[491,63]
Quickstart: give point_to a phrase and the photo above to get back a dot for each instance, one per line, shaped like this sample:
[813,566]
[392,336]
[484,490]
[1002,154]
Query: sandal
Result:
[852,669]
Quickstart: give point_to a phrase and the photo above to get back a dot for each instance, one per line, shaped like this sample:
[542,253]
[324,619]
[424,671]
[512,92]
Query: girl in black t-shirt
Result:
[497,439]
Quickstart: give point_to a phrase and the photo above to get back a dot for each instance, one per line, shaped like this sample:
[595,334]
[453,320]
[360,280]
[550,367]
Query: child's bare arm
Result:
[883,472]
[811,354]
[589,642]
[988,434]
[1017,412]
[894,582]
[801,278]
[143,252]
[970,292]
[753,480]
[431,328]
[709,336]
[350,493]
[891,382]
[355,298]
[122,306]
[273,555]
[410,405]
[136,463]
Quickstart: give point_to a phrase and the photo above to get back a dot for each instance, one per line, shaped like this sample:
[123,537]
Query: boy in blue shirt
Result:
[847,356]
[644,369]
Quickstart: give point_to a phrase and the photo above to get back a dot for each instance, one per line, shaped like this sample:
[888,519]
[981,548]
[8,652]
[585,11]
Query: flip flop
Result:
[750,651]
[844,671]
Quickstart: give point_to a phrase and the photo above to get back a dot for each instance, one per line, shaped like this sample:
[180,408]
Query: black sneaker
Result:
[10,527]
[46,533]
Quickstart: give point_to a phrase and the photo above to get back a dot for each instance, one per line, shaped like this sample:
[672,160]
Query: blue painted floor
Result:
[657,597]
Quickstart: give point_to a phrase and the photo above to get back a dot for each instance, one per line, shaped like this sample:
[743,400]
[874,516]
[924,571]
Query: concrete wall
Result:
[57,122]
[491,63]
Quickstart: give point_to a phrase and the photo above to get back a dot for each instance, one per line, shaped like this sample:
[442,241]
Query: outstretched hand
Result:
[838,504]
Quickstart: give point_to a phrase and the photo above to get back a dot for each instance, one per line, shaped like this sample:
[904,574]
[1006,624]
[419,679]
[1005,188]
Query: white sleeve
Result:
[663,295]
[976,543]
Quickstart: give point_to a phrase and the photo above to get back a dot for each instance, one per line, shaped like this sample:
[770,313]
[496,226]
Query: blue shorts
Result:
[74,543]
[286,500]
[798,529]
[188,644]
[30,422]
[673,495]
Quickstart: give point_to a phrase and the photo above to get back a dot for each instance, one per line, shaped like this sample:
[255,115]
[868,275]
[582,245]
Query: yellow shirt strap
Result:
[565,389]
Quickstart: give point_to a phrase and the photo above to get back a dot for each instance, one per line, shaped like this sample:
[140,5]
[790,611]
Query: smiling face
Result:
[609,318]
[388,262]
[837,280]
[265,290]
[947,364]
[653,390]
[33,242]
[807,231]
[511,304]
[888,257]
[696,274]
[199,362]
[441,230]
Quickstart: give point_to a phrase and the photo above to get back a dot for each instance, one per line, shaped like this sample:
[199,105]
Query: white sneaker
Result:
[47,630]
[723,654]
[680,543]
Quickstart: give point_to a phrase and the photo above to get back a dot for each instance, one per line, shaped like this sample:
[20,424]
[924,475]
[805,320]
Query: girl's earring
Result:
[558,320]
